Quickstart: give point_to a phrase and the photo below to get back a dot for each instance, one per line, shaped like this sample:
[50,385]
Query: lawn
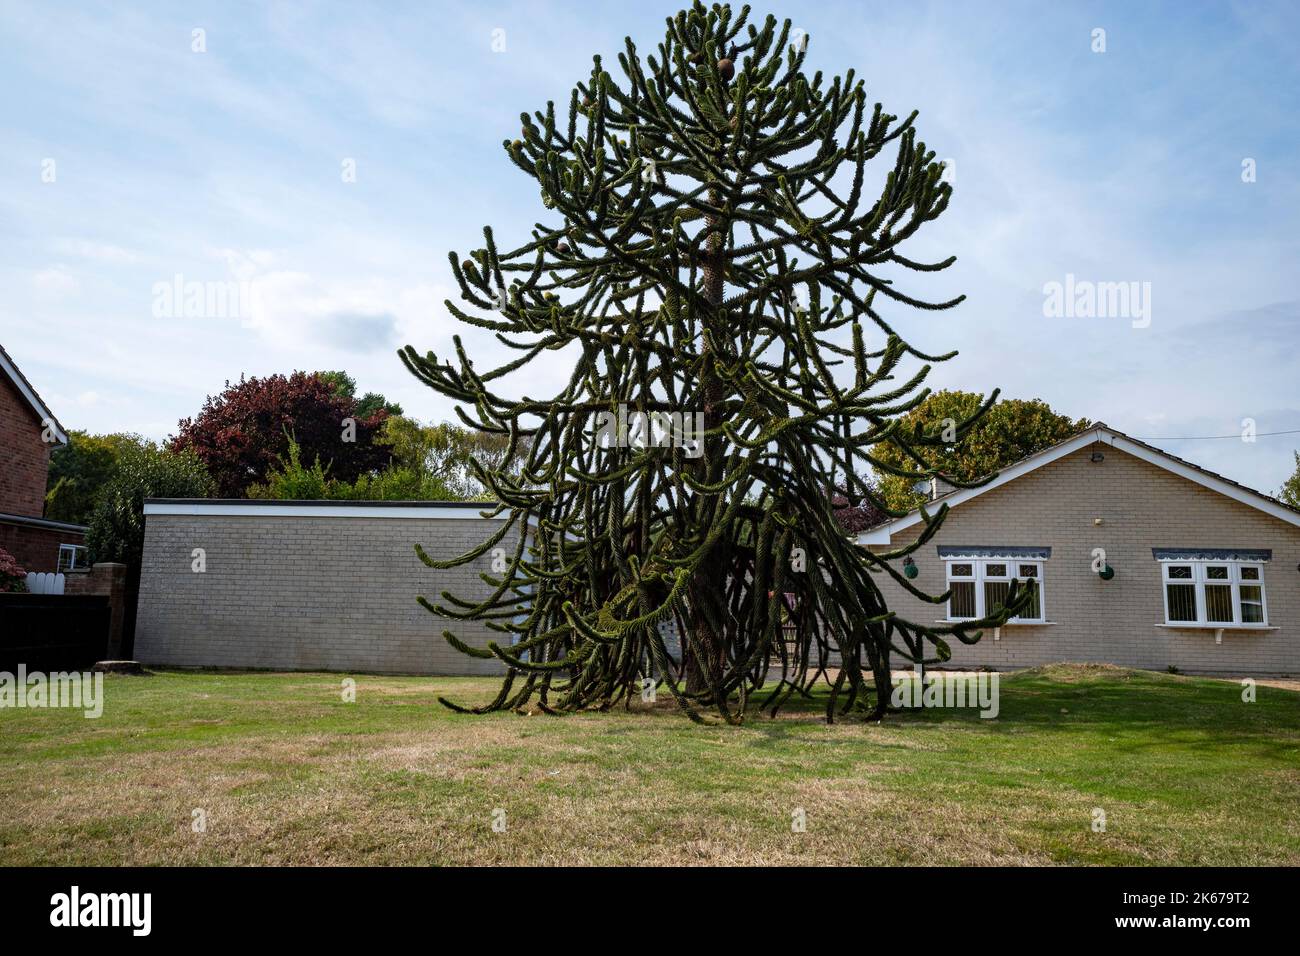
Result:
[286,772]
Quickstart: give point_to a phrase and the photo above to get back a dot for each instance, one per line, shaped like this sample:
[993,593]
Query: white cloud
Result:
[357,314]
[97,251]
[55,282]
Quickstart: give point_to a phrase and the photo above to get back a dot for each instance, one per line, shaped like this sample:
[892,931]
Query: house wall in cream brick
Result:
[1141,506]
[307,592]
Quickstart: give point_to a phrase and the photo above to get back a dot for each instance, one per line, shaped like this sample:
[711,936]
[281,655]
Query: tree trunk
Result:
[707,653]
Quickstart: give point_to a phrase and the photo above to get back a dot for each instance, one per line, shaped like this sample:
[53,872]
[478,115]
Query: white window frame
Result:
[1199,580]
[980,575]
[77,551]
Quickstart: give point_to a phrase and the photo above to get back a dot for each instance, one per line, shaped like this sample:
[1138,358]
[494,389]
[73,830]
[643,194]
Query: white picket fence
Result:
[44,582]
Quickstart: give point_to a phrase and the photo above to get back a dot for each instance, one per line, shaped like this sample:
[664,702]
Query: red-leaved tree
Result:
[855,518]
[242,433]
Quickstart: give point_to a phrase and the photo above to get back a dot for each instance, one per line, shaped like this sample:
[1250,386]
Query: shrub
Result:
[13,579]
[292,480]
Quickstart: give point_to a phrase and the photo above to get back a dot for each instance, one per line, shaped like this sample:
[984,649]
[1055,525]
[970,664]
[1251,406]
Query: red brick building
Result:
[28,433]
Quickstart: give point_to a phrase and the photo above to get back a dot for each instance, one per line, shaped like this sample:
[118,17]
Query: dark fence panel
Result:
[52,632]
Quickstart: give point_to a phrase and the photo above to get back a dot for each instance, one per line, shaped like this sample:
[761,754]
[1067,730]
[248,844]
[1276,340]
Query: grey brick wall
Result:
[1141,507]
[307,592]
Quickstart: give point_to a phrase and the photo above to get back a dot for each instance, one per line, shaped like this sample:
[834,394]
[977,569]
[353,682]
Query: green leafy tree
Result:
[1290,490]
[447,452]
[345,386]
[116,531]
[80,470]
[714,250]
[1010,430]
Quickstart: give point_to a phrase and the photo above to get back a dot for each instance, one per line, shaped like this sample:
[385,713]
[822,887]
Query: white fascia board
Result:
[880,535]
[331,510]
[46,416]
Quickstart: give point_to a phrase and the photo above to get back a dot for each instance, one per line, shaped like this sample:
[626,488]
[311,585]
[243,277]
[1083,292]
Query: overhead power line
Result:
[1238,436]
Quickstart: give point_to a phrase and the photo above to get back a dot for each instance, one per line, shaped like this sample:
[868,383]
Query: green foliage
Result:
[292,480]
[345,386]
[117,523]
[340,382]
[448,453]
[1010,430]
[80,470]
[399,483]
[1290,490]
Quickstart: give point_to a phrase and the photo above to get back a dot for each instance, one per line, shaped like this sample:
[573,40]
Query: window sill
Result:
[967,620]
[997,631]
[1218,629]
[1197,626]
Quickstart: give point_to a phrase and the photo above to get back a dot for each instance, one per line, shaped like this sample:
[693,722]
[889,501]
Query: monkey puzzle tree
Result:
[711,251]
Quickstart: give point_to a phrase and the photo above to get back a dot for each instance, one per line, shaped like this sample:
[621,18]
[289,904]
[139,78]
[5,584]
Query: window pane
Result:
[995,570]
[1250,574]
[962,603]
[1181,572]
[995,593]
[1182,601]
[1218,603]
[961,570]
[1032,613]
[1216,572]
[1029,570]
[1252,604]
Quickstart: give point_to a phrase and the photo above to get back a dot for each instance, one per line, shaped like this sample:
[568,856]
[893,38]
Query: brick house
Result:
[1204,572]
[28,433]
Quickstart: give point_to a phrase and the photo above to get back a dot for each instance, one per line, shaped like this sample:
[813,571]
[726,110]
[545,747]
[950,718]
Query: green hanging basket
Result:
[910,570]
[1106,573]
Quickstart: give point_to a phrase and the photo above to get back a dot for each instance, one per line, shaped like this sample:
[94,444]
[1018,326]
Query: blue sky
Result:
[1121,166]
